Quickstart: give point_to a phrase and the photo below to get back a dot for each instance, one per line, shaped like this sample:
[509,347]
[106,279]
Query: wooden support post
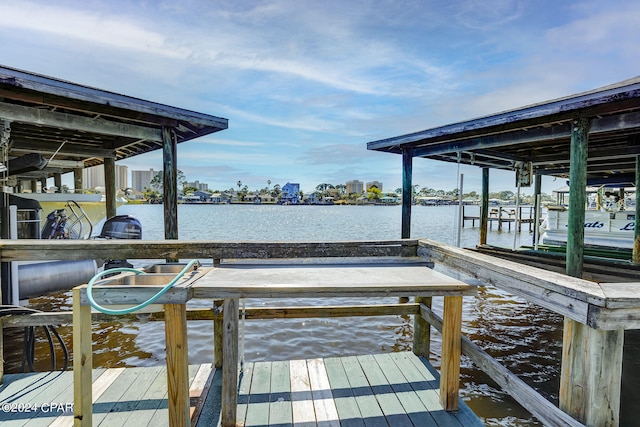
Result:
[57,182]
[635,257]
[218,334]
[77,181]
[422,331]
[230,362]
[82,362]
[110,186]
[577,196]
[451,347]
[591,374]
[407,191]
[500,218]
[170,183]
[177,364]
[537,191]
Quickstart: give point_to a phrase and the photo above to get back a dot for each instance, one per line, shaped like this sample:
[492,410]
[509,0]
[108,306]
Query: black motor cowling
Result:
[120,227]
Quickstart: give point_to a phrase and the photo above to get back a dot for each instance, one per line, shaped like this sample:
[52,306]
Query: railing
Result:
[600,307]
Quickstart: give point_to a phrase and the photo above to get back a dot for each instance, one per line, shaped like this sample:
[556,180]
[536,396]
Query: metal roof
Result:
[541,134]
[54,126]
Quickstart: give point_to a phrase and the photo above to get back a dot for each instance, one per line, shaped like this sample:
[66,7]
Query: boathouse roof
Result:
[54,126]
[540,134]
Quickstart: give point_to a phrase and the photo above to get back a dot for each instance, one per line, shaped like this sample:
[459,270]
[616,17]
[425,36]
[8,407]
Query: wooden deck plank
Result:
[154,404]
[301,396]
[465,415]
[394,389]
[325,407]
[346,405]
[35,392]
[369,408]
[386,397]
[414,408]
[280,411]
[211,406]
[426,386]
[258,409]
[135,396]
[244,386]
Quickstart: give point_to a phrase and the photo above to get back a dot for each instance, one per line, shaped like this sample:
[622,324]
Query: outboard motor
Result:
[120,227]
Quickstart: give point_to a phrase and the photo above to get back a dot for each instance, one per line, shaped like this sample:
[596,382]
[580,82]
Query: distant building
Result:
[376,184]
[290,193]
[93,177]
[355,186]
[142,179]
[199,185]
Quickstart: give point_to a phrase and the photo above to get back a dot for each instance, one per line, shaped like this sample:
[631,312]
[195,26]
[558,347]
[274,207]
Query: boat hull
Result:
[601,229]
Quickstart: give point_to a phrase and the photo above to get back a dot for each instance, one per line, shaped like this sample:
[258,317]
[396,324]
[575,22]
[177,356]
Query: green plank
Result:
[343,395]
[258,409]
[153,405]
[464,414]
[244,386]
[387,399]
[112,395]
[408,398]
[137,395]
[20,392]
[367,404]
[280,397]
[426,386]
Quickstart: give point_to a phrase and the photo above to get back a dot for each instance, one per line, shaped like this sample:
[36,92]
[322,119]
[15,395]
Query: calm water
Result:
[524,337]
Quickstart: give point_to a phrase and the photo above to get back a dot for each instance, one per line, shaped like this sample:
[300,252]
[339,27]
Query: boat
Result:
[609,221]
[50,216]
[86,210]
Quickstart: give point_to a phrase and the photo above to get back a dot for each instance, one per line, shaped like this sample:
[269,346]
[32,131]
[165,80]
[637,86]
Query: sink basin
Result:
[156,275]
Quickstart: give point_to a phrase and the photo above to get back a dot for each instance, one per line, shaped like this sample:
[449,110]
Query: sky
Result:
[306,84]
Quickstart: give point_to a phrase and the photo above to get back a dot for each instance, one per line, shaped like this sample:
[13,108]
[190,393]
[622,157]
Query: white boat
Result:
[54,216]
[602,229]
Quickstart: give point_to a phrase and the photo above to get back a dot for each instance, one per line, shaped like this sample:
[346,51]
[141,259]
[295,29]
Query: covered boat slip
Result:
[591,138]
[50,127]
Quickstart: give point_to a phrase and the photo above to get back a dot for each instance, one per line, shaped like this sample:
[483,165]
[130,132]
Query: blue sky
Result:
[306,84]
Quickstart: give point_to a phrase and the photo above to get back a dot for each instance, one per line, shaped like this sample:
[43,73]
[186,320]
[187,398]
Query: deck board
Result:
[394,389]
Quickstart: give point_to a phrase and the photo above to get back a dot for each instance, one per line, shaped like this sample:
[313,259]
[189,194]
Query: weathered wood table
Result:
[325,280]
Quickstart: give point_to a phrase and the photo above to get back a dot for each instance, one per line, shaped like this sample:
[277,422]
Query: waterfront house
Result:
[220,198]
[290,193]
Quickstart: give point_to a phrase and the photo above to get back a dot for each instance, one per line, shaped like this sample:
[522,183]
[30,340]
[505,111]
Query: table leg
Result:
[451,347]
[230,362]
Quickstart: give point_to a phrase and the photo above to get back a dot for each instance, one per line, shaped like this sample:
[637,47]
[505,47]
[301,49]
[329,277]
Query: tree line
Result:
[328,190]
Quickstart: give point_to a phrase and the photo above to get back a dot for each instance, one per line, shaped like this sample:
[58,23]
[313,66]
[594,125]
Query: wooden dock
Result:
[394,389]
[121,396]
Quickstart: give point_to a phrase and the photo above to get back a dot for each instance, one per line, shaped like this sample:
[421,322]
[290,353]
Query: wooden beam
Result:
[526,395]
[177,364]
[407,191]
[451,345]
[82,362]
[230,363]
[77,181]
[170,184]
[422,331]
[38,116]
[110,186]
[484,208]
[34,249]
[577,196]
[591,374]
